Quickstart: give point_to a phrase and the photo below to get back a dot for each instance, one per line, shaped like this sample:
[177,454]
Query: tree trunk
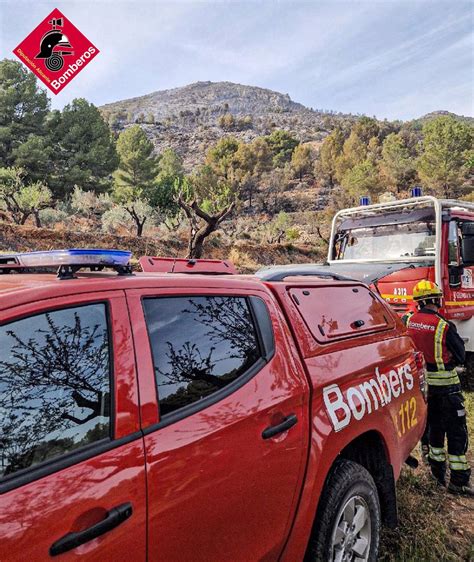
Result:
[197,242]
[197,236]
[140,225]
[37,219]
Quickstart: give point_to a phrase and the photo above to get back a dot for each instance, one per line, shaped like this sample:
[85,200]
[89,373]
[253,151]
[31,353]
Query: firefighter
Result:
[443,349]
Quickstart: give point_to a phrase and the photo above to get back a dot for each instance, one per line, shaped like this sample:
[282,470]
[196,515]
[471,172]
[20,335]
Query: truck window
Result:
[54,385]
[333,313]
[200,345]
[385,242]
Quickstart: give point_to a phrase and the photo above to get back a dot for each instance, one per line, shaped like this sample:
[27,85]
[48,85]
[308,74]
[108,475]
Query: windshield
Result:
[386,242]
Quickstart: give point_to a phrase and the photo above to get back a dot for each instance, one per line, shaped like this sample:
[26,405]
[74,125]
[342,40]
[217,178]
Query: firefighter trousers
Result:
[447,420]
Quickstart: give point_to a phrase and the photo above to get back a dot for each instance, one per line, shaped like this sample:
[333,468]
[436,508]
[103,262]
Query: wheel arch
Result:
[370,450]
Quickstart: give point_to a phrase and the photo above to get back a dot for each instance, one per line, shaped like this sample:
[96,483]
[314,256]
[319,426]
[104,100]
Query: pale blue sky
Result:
[394,59]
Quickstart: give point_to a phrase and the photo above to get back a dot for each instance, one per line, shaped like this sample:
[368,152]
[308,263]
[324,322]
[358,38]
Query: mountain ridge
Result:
[191,118]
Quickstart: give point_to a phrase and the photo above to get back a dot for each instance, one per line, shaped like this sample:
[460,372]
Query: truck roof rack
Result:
[67,262]
[281,272]
[151,264]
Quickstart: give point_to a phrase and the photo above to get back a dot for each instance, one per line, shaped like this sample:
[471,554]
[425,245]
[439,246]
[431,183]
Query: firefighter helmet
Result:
[426,290]
[51,39]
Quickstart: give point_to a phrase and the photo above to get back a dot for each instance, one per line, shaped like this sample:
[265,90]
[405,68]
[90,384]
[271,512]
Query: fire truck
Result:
[393,245]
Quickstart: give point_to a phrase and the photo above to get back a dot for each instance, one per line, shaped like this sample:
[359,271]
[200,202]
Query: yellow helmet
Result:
[425,290]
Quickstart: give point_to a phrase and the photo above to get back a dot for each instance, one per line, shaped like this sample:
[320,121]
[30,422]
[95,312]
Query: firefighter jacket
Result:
[440,344]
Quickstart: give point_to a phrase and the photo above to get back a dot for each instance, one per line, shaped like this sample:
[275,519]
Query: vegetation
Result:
[265,180]
[264,193]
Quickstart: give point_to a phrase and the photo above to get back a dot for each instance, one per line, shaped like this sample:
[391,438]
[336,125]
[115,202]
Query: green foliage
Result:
[397,165]
[362,179]
[170,166]
[23,108]
[302,160]
[281,144]
[137,169]
[35,157]
[118,219]
[447,147]
[365,129]
[170,173]
[86,153]
[281,227]
[227,122]
[134,185]
[329,153]
[88,204]
[22,200]
[210,191]
[51,217]
[221,157]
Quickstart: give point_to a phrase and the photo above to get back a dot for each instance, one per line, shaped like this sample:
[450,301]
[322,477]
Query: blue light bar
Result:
[74,256]
[416,191]
[364,201]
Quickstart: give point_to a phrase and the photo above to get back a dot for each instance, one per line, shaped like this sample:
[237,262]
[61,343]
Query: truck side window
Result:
[200,345]
[54,385]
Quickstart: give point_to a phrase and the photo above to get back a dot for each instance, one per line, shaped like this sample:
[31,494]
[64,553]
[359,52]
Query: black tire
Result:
[347,481]
[467,376]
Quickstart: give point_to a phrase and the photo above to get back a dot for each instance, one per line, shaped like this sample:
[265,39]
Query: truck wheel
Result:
[467,377]
[347,526]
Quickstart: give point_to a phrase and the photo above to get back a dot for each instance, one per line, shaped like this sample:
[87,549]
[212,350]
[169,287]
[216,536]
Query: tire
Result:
[349,497]
[467,376]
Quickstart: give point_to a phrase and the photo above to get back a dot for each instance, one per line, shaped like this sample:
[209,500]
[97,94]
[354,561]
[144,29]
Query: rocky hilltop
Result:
[191,118]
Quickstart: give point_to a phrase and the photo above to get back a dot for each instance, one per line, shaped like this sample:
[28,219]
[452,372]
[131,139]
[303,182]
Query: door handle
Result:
[273,430]
[115,517]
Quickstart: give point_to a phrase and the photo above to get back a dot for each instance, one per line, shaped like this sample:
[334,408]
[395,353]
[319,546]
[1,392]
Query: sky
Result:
[395,59]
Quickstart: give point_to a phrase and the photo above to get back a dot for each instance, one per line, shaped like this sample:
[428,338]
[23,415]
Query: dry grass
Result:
[434,525]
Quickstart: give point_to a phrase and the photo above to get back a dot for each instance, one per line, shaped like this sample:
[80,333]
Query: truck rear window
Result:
[333,313]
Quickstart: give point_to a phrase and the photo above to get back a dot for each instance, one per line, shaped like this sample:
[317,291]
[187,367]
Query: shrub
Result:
[51,217]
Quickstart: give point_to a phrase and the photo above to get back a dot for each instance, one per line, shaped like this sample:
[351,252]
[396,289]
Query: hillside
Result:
[435,114]
[188,118]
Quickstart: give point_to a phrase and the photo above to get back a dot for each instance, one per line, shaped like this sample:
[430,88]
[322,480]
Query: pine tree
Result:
[135,177]
[86,153]
[447,145]
[23,108]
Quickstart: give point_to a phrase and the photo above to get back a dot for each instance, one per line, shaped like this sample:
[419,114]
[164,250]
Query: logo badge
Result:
[56,51]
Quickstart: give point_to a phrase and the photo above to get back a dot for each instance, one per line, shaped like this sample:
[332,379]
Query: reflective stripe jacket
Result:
[438,339]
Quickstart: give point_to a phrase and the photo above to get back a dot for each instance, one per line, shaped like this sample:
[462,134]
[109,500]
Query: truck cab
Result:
[394,245]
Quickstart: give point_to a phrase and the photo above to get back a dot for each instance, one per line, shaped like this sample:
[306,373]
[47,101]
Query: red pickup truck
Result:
[176,417]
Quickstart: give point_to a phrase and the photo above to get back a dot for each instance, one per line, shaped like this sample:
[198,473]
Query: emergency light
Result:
[67,262]
[74,256]
[416,191]
[364,201]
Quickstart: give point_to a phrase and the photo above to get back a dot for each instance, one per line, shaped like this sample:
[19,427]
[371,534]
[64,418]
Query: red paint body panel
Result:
[206,487]
[36,514]
[211,473]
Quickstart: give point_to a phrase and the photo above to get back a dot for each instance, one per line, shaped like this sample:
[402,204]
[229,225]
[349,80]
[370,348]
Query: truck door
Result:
[226,424]
[72,471]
